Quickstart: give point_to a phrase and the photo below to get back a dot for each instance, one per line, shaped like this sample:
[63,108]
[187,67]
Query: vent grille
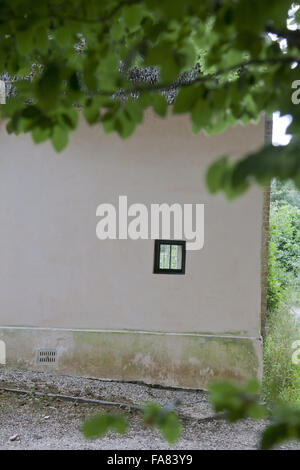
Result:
[46,356]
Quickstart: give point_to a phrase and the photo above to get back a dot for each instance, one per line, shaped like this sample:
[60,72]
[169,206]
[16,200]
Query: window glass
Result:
[176,256]
[164,256]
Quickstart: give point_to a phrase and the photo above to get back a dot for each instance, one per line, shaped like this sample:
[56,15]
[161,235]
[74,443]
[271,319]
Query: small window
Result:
[169,257]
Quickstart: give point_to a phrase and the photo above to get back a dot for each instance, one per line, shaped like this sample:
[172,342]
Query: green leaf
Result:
[89,70]
[164,419]
[151,412]
[171,428]
[134,111]
[260,166]
[267,163]
[97,426]
[170,68]
[238,402]
[40,135]
[107,72]
[201,114]
[215,176]
[100,424]
[163,55]
[63,35]
[253,386]
[186,99]
[70,117]
[59,138]
[272,435]
[41,39]
[119,424]
[91,113]
[118,30]
[48,86]
[160,105]
[25,41]
[133,15]
[124,125]
[174,9]
[108,124]
[232,57]
[284,425]
[256,411]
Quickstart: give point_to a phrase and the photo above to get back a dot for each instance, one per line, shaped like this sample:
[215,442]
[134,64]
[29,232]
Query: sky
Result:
[280,124]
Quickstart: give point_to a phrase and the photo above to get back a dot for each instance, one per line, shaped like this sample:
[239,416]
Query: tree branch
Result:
[139,89]
[202,78]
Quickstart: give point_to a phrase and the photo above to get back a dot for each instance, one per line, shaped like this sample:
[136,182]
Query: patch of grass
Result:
[295,295]
[281,379]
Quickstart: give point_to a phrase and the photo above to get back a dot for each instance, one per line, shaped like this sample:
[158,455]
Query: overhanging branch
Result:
[201,79]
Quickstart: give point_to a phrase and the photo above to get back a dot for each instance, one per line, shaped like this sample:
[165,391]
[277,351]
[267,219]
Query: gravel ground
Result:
[48,423]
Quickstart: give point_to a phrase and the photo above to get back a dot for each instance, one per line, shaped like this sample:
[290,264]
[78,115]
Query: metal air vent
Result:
[46,356]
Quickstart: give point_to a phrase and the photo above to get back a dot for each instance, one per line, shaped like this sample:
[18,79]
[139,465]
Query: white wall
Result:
[54,272]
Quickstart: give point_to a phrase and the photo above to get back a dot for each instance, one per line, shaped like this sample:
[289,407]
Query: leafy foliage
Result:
[277,280]
[66,55]
[100,424]
[284,244]
[243,402]
[237,402]
[162,418]
[281,378]
[285,424]
[285,234]
[284,252]
[261,166]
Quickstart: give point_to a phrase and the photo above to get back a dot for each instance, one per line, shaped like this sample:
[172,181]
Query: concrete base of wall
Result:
[170,359]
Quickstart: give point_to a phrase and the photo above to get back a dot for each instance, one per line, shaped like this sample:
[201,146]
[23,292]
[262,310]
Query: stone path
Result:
[36,422]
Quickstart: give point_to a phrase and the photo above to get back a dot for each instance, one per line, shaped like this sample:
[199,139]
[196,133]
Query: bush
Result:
[276,280]
[281,377]
[285,234]
[284,244]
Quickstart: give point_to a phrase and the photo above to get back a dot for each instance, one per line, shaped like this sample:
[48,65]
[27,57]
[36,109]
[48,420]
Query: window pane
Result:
[164,257]
[176,256]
